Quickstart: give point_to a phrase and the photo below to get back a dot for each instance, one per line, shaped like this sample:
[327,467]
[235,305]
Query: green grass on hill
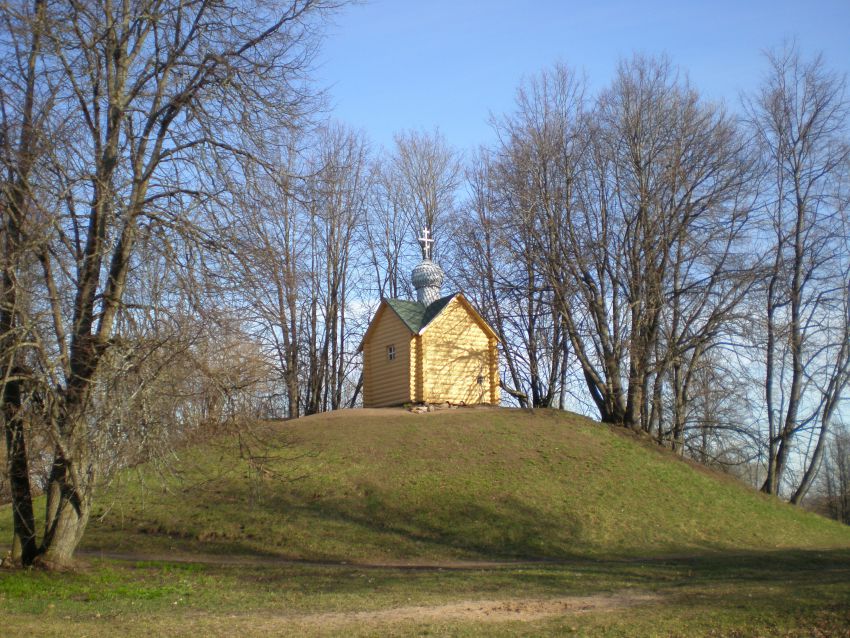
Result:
[387,485]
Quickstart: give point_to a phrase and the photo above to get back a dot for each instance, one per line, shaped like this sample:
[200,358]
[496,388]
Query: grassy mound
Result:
[387,485]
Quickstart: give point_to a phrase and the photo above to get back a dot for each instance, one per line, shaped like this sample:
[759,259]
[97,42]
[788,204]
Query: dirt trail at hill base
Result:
[473,611]
[494,611]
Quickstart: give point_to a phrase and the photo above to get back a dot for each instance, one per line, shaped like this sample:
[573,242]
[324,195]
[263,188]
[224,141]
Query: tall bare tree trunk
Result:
[24,544]
[12,376]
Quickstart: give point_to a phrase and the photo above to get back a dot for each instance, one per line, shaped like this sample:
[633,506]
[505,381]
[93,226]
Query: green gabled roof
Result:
[416,316]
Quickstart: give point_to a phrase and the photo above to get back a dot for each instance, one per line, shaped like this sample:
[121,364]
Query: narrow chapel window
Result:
[391,352]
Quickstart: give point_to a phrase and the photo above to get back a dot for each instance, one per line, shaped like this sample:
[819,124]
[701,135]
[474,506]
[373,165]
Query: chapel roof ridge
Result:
[416,315]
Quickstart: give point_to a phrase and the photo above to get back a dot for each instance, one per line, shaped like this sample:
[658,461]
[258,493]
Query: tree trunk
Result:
[23,523]
[68,510]
[832,400]
[24,548]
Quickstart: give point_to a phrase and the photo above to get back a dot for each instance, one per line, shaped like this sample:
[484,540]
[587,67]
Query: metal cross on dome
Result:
[425,241]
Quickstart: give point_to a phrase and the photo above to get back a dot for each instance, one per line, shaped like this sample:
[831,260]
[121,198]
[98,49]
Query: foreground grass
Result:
[768,594]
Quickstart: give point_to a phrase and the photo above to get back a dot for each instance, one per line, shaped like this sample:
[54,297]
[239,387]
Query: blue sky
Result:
[391,65]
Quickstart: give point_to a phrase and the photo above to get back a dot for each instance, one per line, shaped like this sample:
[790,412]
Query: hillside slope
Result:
[384,485]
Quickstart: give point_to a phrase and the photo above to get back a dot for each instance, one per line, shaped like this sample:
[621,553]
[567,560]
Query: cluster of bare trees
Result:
[115,117]
[291,271]
[314,236]
[628,215]
[185,242]
[681,271]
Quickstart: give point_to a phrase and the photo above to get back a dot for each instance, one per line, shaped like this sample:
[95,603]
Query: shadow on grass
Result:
[769,567]
[504,529]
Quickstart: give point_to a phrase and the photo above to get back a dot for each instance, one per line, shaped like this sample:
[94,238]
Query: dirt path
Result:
[489,610]
[486,611]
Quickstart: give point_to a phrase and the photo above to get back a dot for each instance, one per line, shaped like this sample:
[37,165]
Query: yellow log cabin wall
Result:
[387,382]
[456,353]
[495,388]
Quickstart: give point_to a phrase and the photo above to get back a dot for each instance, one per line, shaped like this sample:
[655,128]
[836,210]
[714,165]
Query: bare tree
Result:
[836,476]
[24,108]
[264,274]
[337,194]
[483,269]
[293,272]
[710,269]
[425,172]
[716,421]
[499,270]
[800,118]
[414,186]
[386,234]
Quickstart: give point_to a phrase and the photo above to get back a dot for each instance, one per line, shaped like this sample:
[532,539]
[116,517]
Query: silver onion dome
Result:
[427,278]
